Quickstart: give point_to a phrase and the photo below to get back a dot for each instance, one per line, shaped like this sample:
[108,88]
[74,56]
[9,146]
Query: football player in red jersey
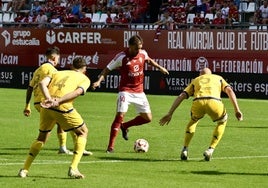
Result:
[131,64]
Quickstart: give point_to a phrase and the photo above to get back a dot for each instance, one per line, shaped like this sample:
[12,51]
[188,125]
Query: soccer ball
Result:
[141,145]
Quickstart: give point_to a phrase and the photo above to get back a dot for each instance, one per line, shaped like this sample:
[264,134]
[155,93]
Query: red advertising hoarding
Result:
[234,52]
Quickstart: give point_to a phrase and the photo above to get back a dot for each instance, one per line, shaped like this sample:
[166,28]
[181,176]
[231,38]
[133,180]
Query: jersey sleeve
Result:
[224,84]
[116,61]
[84,84]
[146,56]
[189,90]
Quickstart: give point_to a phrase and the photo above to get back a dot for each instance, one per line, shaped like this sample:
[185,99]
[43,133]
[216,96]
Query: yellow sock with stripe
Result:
[217,134]
[74,136]
[189,132]
[78,151]
[34,150]
[62,138]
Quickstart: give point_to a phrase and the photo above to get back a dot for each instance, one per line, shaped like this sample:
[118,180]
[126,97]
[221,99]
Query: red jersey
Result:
[218,21]
[199,20]
[131,70]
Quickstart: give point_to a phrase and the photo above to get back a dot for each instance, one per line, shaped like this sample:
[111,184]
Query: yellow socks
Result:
[78,151]
[34,150]
[189,132]
[74,136]
[217,134]
[62,137]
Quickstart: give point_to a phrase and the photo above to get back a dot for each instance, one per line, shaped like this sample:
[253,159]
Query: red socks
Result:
[114,130]
[136,121]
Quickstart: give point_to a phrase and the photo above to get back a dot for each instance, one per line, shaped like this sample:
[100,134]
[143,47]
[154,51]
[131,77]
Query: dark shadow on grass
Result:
[249,127]
[14,149]
[38,177]
[228,173]
[134,159]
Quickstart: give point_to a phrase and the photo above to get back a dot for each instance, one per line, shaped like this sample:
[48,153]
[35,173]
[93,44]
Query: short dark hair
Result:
[135,40]
[79,62]
[52,50]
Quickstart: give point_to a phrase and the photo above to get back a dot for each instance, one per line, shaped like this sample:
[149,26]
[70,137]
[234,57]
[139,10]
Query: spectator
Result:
[55,21]
[76,9]
[190,6]
[85,21]
[263,13]
[15,5]
[89,5]
[180,20]
[218,22]
[233,15]
[199,21]
[201,6]
[41,19]
[36,7]
[216,8]
[109,20]
[225,10]
[165,22]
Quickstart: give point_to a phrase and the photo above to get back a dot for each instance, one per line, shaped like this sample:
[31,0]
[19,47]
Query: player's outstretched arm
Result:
[167,118]
[156,65]
[102,76]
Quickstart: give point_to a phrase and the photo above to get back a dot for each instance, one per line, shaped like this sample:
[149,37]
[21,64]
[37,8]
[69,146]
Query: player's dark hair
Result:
[79,62]
[52,50]
[135,40]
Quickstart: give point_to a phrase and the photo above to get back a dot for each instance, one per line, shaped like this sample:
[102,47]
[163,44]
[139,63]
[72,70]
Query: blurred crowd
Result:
[164,14]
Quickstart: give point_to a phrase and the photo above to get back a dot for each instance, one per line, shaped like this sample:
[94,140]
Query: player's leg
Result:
[218,114]
[79,148]
[74,137]
[141,119]
[189,133]
[35,149]
[197,112]
[122,107]
[115,127]
[62,137]
[46,125]
[73,121]
[142,105]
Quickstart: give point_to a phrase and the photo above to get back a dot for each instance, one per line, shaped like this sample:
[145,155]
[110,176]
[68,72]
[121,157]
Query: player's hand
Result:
[95,85]
[164,70]
[50,103]
[165,120]
[239,115]
[27,112]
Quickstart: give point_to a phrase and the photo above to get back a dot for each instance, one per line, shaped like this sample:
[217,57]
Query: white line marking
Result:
[4,162]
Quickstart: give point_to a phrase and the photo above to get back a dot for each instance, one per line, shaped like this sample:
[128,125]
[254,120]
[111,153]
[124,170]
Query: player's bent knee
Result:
[223,119]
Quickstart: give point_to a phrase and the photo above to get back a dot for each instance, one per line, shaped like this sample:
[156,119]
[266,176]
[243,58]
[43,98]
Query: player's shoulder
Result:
[120,55]
[143,51]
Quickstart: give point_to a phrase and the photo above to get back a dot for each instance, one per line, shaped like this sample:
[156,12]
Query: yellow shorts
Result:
[67,121]
[214,108]
[37,106]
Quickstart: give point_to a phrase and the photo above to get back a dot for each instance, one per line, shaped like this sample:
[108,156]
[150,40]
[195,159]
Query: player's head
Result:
[135,44]
[205,71]
[53,55]
[79,64]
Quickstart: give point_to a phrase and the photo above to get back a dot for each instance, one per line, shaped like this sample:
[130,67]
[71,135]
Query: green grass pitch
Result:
[240,160]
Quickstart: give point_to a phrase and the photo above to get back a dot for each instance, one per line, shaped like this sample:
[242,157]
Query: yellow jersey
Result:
[63,82]
[46,69]
[205,86]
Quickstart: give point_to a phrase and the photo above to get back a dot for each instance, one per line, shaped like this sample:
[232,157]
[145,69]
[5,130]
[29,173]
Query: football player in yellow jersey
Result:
[206,91]
[59,91]
[47,69]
